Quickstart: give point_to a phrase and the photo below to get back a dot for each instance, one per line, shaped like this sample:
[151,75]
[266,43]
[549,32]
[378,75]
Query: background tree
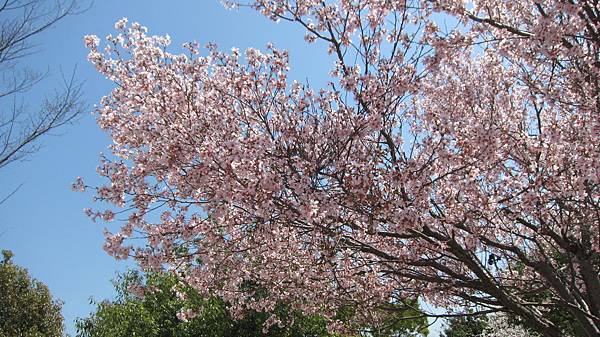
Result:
[456,163]
[21,125]
[27,308]
[465,326]
[147,305]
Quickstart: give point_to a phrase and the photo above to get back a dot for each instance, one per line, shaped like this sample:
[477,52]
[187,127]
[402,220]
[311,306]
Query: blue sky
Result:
[43,223]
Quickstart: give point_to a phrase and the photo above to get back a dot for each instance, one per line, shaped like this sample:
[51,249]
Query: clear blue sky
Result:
[43,223]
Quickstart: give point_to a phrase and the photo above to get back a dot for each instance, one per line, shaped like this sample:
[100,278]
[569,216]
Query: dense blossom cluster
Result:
[458,165]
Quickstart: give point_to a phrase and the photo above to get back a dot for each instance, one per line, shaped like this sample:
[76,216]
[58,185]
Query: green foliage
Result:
[565,321]
[27,308]
[466,326]
[405,320]
[155,315]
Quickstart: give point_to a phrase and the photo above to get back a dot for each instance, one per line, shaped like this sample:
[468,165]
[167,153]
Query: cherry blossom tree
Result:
[452,158]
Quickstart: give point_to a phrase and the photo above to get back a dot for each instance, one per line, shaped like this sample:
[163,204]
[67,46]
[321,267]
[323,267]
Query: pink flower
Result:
[78,185]
[91,41]
[120,25]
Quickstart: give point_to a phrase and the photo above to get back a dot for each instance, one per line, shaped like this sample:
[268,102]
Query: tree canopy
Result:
[27,308]
[453,157]
[155,305]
